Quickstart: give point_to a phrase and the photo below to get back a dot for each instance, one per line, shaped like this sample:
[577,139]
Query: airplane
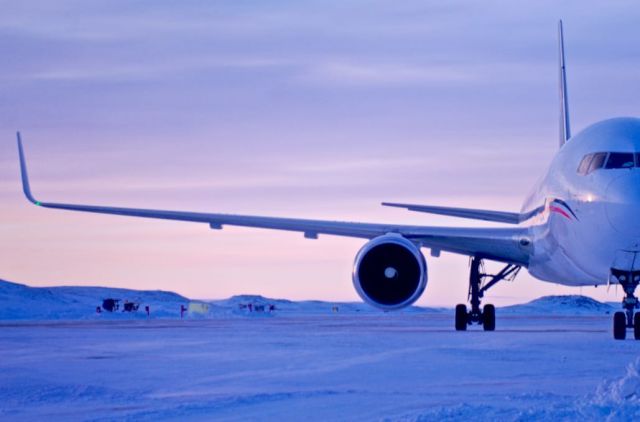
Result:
[578,227]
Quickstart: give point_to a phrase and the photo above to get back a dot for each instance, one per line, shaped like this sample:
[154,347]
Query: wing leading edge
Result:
[500,244]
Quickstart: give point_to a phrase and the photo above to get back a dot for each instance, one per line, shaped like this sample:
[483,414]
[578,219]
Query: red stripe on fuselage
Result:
[559,211]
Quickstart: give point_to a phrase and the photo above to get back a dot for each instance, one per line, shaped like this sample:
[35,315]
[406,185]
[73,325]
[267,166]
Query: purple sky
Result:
[303,109]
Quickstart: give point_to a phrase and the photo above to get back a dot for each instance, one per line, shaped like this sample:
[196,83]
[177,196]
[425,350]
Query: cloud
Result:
[150,69]
[372,73]
[360,164]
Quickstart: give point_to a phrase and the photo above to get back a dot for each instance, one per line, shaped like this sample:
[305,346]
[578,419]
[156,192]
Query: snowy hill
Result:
[284,306]
[561,305]
[21,302]
[18,301]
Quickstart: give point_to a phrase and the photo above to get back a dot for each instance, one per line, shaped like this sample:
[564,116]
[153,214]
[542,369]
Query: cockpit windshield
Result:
[620,160]
[608,160]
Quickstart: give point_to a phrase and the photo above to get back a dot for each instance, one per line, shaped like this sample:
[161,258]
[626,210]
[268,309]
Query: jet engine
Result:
[390,272]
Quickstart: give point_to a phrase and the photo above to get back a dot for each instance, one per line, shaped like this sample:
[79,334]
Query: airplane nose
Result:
[623,203]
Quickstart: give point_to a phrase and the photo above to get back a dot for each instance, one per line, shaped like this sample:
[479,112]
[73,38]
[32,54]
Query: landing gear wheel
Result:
[479,283]
[629,281]
[619,326]
[461,317]
[489,317]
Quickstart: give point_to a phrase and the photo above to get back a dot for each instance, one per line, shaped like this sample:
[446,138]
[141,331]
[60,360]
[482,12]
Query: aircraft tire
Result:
[636,326]
[619,326]
[461,317]
[489,318]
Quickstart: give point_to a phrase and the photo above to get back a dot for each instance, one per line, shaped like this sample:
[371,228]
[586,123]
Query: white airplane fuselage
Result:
[582,223]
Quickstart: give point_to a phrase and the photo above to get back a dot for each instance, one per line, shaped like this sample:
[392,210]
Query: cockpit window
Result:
[620,160]
[584,164]
[597,162]
[608,160]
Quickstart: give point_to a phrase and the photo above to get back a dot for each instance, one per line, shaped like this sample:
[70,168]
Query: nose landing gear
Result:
[487,316]
[622,320]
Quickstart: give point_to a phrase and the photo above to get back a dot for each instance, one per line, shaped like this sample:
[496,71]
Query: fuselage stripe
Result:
[565,205]
[556,205]
[559,211]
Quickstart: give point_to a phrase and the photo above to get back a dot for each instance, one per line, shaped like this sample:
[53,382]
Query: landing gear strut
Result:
[622,320]
[477,286]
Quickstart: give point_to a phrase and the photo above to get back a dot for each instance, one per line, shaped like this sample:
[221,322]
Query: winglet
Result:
[23,172]
[565,129]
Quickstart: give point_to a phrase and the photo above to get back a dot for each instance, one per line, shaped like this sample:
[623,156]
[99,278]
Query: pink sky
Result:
[321,110]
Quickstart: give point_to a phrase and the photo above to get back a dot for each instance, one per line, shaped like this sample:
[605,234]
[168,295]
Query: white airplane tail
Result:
[565,130]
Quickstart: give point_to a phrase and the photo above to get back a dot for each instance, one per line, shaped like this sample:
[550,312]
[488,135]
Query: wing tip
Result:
[392,204]
[23,172]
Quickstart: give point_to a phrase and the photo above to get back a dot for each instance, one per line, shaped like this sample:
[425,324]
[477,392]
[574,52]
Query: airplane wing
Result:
[474,214]
[500,244]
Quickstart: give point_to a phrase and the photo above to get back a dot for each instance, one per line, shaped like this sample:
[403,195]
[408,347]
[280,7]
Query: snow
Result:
[624,390]
[307,362]
[21,302]
[18,302]
[562,305]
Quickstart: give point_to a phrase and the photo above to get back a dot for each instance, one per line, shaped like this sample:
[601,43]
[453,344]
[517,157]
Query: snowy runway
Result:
[317,367]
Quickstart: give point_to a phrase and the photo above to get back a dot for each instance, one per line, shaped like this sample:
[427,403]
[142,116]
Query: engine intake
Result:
[390,272]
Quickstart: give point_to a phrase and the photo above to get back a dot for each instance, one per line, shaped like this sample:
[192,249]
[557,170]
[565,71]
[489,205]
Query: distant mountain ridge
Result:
[569,304]
[18,301]
[22,302]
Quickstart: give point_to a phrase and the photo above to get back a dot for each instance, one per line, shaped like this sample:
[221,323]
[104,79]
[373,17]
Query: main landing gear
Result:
[487,316]
[622,320]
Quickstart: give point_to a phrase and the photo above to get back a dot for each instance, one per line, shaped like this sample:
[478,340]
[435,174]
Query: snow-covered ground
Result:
[547,360]
[21,302]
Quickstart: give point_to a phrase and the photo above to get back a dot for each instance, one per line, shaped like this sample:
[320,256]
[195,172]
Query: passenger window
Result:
[620,160]
[584,164]
[597,162]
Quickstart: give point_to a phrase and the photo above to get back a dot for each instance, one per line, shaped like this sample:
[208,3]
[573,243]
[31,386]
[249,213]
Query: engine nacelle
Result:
[390,272]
